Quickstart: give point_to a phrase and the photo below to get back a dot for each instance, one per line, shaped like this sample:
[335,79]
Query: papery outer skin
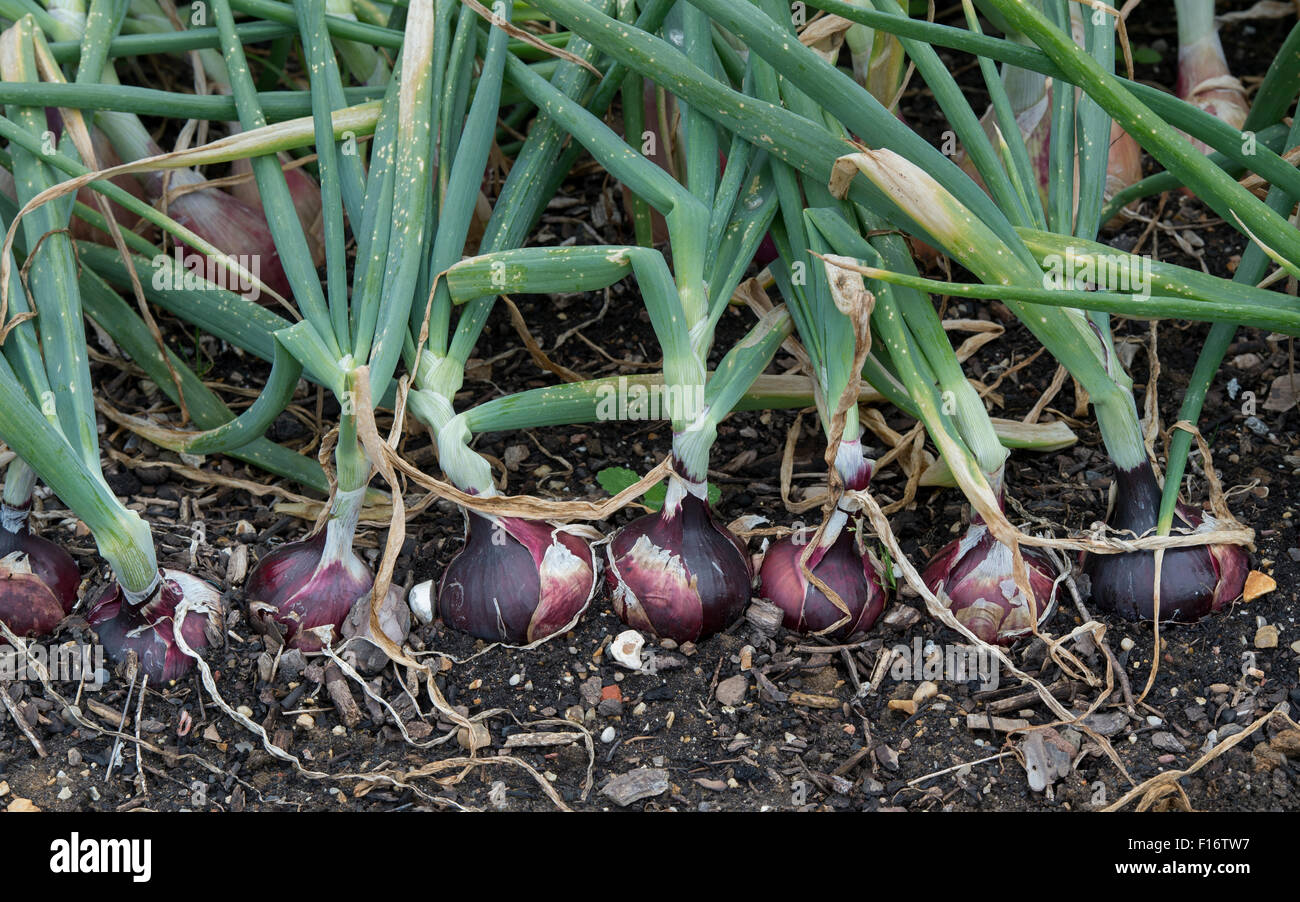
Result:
[395,621]
[678,575]
[1205,81]
[305,593]
[516,581]
[148,629]
[48,562]
[28,604]
[1194,581]
[972,577]
[850,574]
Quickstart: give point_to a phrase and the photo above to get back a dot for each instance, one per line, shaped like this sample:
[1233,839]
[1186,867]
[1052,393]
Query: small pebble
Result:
[305,721]
[74,757]
[515,679]
[1266,637]
[607,735]
[65,793]
[1153,721]
[339,730]
[1126,644]
[245,711]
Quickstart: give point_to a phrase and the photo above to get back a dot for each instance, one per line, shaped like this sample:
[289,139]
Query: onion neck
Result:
[20,483]
[341,529]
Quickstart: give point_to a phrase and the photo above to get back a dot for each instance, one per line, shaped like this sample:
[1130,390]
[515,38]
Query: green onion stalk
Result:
[1022,102]
[148,17]
[971,575]
[347,340]
[219,218]
[1193,580]
[678,573]
[825,579]
[1204,79]
[518,579]
[906,174]
[49,421]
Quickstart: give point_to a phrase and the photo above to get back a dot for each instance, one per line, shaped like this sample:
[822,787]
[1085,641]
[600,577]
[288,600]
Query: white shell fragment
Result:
[626,649]
[421,601]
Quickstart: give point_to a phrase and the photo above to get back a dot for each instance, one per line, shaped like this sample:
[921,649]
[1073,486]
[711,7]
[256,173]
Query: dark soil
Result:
[802,735]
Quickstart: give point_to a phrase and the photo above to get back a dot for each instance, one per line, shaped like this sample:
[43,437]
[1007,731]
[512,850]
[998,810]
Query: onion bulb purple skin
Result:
[972,577]
[148,629]
[1194,581]
[516,581]
[302,590]
[38,579]
[846,566]
[679,573]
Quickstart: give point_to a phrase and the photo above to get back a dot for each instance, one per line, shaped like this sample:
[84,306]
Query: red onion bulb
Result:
[148,629]
[1194,581]
[678,574]
[851,573]
[516,581]
[972,578]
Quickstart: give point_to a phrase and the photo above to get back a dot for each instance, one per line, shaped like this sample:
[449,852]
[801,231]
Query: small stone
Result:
[474,737]
[688,648]
[1257,584]
[74,757]
[590,690]
[925,692]
[626,649]
[633,786]
[609,707]
[639,709]
[245,711]
[607,735]
[1167,742]
[1287,742]
[4,789]
[306,721]
[1220,689]
[906,705]
[901,617]
[747,657]
[1106,723]
[1265,758]
[65,793]
[731,691]
[515,679]
[1295,646]
[765,617]
[1154,721]
[1266,637]
[421,601]
[1126,644]
[339,730]
[18,805]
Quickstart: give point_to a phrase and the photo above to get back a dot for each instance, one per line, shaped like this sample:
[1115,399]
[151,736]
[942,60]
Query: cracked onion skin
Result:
[148,628]
[678,574]
[38,583]
[1194,581]
[852,574]
[516,581]
[972,578]
[301,587]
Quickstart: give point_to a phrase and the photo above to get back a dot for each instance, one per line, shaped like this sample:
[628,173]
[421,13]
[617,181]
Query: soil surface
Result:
[755,717]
